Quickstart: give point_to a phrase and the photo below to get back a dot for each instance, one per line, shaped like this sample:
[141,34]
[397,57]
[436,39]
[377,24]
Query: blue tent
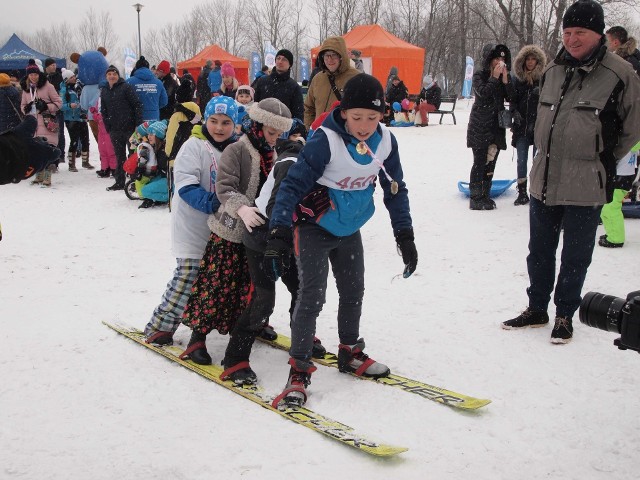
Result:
[15,55]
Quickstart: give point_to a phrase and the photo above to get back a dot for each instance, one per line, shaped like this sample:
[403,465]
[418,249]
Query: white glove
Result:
[250,217]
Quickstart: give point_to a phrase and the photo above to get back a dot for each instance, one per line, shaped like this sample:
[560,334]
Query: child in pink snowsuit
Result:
[108,161]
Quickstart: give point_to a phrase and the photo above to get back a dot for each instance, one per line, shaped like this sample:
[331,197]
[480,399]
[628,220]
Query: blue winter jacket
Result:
[350,209]
[70,114]
[150,91]
[215,79]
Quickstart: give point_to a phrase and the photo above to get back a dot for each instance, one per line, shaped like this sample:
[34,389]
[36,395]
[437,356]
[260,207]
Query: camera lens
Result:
[602,311]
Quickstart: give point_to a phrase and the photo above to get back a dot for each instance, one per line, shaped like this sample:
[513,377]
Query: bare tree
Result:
[96,30]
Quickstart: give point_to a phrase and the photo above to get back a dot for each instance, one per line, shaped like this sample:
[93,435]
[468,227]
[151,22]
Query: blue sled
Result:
[498,187]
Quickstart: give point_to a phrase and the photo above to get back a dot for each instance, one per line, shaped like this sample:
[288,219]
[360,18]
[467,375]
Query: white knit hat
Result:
[271,112]
[67,74]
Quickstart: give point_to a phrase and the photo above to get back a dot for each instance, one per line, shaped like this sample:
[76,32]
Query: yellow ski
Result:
[301,415]
[430,392]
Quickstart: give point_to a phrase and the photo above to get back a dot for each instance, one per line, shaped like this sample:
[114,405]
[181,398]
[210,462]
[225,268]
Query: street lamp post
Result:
[138,7]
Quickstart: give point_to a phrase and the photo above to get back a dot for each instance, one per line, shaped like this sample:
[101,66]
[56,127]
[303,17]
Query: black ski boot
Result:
[295,393]
[240,373]
[352,359]
[160,338]
[318,350]
[236,358]
[197,349]
[268,333]
[523,198]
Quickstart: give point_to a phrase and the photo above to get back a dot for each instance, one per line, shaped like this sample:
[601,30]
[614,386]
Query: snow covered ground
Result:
[79,401]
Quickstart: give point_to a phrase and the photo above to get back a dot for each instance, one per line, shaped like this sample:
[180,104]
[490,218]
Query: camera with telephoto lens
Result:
[614,314]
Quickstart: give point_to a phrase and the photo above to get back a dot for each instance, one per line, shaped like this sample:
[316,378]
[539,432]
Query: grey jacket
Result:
[237,184]
[588,118]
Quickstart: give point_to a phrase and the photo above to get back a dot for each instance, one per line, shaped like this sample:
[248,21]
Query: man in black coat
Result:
[280,85]
[121,112]
[203,91]
[163,72]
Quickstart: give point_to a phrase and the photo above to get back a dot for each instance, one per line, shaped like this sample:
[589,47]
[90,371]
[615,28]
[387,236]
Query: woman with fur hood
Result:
[527,68]
[41,99]
[485,135]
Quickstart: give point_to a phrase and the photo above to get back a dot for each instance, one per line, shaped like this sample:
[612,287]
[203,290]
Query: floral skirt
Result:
[219,294]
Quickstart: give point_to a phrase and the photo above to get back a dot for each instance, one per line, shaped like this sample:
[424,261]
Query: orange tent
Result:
[385,51]
[213,53]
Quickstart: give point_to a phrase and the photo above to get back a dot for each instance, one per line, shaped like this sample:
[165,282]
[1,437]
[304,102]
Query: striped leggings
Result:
[166,316]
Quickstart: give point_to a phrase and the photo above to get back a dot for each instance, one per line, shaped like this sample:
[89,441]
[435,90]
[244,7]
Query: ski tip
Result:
[383,450]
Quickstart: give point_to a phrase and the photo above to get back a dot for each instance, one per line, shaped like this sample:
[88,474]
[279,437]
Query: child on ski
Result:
[195,171]
[263,289]
[338,166]
[219,294]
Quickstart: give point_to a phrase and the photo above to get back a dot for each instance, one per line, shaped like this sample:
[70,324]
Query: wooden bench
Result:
[450,101]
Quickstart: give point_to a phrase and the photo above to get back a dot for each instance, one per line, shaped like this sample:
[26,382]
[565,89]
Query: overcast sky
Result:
[18,16]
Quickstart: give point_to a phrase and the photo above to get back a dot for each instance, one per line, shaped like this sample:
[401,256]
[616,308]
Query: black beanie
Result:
[112,68]
[142,63]
[49,61]
[287,54]
[586,14]
[363,91]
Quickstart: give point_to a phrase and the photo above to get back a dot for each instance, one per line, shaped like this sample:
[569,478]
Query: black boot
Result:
[104,173]
[477,201]
[116,186]
[523,198]
[236,358]
[197,349]
[486,192]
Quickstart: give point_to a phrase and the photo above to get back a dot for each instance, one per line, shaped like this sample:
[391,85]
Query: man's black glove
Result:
[277,252]
[517,117]
[407,248]
[41,106]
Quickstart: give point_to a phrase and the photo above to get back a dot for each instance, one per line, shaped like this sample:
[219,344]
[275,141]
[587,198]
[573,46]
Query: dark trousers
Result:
[483,168]
[78,132]
[545,223]
[61,139]
[314,250]
[262,299]
[522,148]
[119,140]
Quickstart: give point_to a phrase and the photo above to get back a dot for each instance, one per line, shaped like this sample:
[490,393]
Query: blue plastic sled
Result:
[498,187]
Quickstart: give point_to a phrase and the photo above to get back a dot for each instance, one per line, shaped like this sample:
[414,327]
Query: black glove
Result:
[314,204]
[277,252]
[27,108]
[517,118]
[407,249]
[41,106]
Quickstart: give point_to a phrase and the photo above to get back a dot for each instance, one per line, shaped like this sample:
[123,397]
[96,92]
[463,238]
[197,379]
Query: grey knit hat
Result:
[271,112]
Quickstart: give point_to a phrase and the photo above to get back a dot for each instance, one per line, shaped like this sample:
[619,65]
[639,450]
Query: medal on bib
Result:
[362,148]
